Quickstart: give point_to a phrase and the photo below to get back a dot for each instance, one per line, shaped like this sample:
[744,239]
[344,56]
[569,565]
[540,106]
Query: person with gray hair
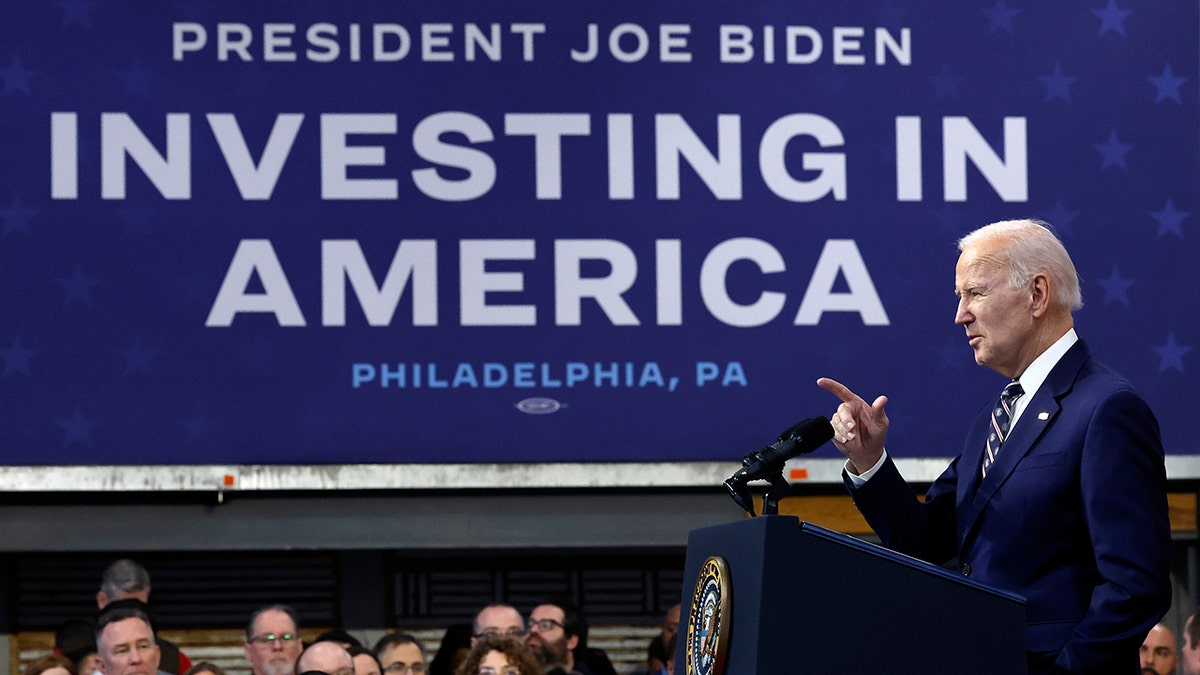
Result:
[1059,491]
[273,640]
[122,579]
[126,582]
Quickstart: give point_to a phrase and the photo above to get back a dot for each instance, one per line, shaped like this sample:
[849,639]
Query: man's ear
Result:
[1039,294]
[101,599]
[572,642]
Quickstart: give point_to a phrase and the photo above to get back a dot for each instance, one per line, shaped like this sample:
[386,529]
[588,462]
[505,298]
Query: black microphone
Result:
[799,439]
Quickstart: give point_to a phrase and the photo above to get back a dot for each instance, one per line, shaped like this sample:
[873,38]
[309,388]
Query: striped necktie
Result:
[1001,421]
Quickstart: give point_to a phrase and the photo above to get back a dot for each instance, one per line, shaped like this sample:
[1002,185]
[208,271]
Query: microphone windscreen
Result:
[814,429]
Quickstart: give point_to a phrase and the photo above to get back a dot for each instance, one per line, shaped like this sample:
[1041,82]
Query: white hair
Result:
[1033,248]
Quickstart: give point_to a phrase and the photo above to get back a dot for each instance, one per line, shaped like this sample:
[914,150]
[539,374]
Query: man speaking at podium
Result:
[1059,491]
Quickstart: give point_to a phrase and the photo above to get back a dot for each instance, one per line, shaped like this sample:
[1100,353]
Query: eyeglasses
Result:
[544,625]
[515,631]
[401,667]
[506,670]
[271,639]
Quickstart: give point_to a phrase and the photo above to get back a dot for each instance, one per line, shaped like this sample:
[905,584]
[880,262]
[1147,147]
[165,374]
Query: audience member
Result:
[550,641]
[453,650]
[1190,654]
[205,668]
[1158,652]
[273,640]
[498,654]
[76,640]
[365,661]
[125,579]
[325,657]
[657,654]
[51,664]
[558,637]
[498,619]
[125,640]
[400,654]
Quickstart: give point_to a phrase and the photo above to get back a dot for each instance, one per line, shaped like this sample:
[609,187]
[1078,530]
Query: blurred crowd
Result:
[551,640]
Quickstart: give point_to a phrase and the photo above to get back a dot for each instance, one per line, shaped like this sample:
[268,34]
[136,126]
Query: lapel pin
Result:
[1043,416]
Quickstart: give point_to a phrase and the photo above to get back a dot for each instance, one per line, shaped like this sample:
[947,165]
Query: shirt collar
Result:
[1039,370]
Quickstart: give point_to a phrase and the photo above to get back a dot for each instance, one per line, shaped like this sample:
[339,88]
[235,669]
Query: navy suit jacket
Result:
[1072,515]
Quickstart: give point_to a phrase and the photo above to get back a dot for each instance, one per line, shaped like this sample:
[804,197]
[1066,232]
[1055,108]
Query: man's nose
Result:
[961,315]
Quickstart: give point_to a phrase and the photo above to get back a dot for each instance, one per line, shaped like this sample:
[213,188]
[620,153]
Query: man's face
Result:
[127,648]
[1158,651]
[498,621]
[273,656]
[1191,652]
[998,319]
[670,624]
[326,657]
[399,657]
[547,638]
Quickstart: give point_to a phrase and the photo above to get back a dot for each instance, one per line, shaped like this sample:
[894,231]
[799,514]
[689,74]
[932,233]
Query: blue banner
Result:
[415,232]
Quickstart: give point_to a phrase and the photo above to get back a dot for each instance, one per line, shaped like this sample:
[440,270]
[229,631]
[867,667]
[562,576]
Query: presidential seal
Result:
[708,621]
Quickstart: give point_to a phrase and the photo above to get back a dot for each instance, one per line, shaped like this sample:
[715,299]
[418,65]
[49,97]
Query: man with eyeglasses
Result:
[498,619]
[401,654]
[273,640]
[125,642]
[552,639]
[559,620]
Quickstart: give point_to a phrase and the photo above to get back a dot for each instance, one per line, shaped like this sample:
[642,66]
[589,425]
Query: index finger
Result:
[838,389]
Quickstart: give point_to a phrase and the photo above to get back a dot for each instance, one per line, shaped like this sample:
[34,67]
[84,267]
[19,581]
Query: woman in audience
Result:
[500,655]
[51,664]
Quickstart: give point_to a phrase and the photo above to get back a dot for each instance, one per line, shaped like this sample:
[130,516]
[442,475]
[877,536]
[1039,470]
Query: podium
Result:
[809,600]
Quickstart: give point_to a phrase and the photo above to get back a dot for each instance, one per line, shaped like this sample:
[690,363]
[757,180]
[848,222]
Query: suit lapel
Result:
[1039,413]
[970,462]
